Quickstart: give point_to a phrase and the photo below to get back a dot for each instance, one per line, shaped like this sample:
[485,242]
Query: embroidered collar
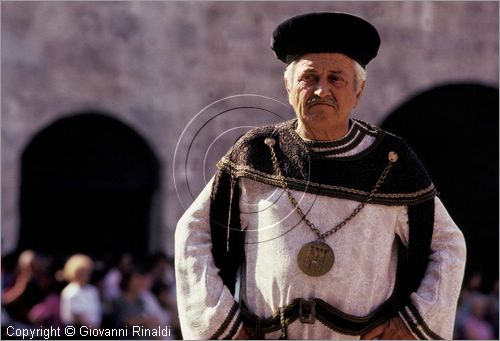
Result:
[344,146]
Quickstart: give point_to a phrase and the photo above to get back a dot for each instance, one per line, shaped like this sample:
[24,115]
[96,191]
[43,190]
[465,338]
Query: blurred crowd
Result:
[43,291]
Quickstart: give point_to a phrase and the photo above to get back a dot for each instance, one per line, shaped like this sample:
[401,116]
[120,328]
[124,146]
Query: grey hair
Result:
[360,74]
[359,71]
[289,72]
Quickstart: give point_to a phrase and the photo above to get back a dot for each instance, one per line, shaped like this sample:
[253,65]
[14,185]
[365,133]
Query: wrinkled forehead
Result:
[329,61]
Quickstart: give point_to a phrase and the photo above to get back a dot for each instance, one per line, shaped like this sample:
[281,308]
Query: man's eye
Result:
[308,78]
[338,81]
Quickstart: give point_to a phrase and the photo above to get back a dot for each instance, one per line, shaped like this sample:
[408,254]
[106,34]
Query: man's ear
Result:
[287,87]
[360,90]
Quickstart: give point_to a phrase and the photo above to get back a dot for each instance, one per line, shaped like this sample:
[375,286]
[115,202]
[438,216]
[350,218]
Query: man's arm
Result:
[431,311]
[206,307]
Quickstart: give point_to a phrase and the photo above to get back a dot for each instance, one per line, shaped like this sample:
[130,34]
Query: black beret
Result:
[326,32]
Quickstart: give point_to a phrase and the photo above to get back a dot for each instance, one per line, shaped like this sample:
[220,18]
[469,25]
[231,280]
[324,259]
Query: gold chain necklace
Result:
[316,258]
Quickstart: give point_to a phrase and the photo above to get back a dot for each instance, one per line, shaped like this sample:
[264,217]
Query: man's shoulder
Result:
[263,132]
[253,140]
[251,151]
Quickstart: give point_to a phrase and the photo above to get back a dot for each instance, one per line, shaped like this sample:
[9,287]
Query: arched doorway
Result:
[454,130]
[87,185]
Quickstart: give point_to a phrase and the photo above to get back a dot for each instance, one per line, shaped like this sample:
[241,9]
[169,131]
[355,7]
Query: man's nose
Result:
[323,88]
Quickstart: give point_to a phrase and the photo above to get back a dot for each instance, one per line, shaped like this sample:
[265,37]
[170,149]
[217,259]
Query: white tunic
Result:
[362,276]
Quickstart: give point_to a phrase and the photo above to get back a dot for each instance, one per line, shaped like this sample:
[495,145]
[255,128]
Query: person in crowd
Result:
[47,312]
[26,291]
[492,315]
[137,306]
[112,279]
[475,325]
[80,304]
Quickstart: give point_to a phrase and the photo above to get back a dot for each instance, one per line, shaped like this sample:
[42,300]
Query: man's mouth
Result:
[318,100]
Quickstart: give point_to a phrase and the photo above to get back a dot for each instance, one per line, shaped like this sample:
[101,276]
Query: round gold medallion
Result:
[315,258]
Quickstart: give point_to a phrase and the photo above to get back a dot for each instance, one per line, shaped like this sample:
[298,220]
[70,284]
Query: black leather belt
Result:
[311,311]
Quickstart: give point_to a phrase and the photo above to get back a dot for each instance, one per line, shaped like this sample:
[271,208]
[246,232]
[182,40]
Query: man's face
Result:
[323,90]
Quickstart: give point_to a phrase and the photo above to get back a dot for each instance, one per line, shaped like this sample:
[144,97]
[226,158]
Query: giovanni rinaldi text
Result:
[84,331]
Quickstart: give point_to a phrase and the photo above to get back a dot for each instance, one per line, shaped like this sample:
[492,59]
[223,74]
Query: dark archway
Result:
[454,130]
[87,185]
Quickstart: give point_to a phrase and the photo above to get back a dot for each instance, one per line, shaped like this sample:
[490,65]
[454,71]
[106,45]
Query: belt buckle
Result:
[307,311]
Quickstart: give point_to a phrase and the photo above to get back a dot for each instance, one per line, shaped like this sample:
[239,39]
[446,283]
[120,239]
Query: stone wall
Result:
[155,65]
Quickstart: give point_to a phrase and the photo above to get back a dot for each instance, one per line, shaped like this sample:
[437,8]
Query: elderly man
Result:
[323,226]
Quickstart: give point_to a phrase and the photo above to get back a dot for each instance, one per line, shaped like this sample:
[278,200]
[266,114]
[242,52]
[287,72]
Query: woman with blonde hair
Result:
[80,304]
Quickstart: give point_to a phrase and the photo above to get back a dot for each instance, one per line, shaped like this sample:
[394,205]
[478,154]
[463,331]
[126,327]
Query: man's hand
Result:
[393,329]
[242,334]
